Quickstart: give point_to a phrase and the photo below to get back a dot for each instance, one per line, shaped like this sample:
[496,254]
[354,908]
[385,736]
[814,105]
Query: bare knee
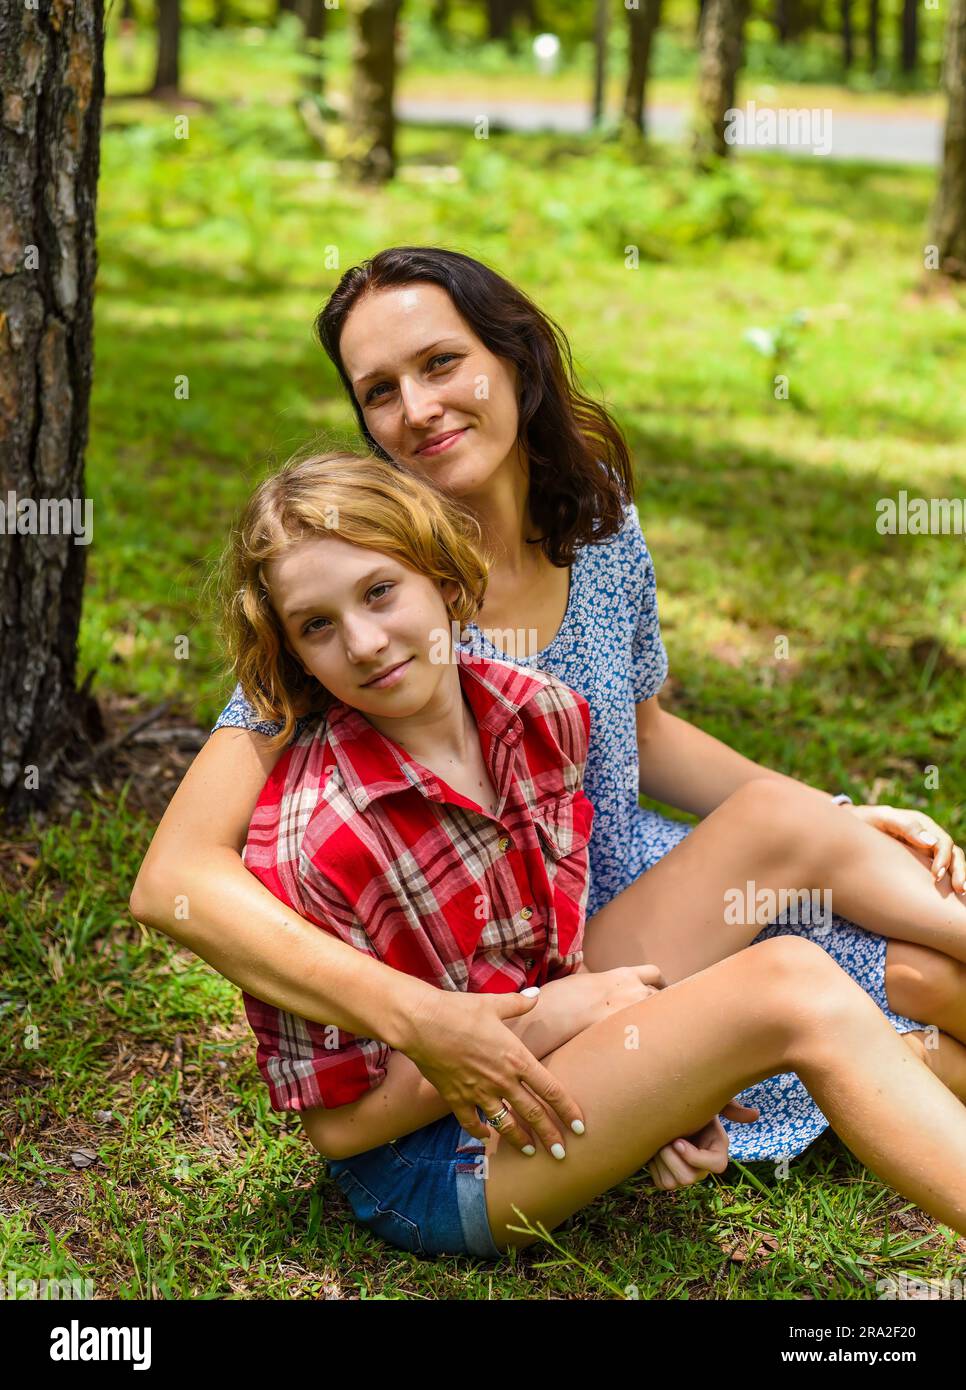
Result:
[781,815]
[802,989]
[922,983]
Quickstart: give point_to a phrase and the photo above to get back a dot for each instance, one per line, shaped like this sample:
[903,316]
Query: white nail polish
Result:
[528,993]
[929,839]
[558,1151]
[577,1126]
[529,1150]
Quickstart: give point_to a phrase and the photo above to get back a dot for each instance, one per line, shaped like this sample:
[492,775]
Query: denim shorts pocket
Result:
[384,1220]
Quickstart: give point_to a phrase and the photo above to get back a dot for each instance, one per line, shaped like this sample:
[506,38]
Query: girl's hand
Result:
[687,1160]
[920,831]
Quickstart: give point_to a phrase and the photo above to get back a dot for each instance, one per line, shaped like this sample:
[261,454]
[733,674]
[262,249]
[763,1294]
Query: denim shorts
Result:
[424,1193]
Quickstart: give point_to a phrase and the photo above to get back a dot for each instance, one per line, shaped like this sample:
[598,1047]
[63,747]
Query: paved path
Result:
[892,139]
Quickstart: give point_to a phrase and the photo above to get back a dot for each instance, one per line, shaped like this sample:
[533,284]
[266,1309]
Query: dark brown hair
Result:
[581,477]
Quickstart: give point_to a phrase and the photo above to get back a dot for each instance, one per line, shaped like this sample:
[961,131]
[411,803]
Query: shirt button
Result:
[526,913]
[529,962]
[503,844]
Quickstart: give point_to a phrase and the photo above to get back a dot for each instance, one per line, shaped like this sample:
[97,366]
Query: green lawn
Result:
[761,517]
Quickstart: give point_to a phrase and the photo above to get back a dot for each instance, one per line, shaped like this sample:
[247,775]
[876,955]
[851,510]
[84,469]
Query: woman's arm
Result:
[193,886]
[684,767]
[405,1101]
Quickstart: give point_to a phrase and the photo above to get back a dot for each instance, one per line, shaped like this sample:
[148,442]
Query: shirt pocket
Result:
[564,824]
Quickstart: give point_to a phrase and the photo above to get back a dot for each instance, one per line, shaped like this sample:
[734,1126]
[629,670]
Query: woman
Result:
[455,375]
[433,816]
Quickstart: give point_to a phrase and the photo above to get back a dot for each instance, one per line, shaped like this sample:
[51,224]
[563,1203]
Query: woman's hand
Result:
[687,1160]
[920,831]
[464,1046]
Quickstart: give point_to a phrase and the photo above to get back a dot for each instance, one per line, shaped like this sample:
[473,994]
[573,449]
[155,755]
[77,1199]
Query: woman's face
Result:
[432,395]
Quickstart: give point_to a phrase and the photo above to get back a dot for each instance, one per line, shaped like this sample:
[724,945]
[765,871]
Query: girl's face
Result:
[433,396]
[351,614]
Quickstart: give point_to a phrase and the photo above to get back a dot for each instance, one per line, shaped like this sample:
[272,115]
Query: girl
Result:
[415,333]
[436,818]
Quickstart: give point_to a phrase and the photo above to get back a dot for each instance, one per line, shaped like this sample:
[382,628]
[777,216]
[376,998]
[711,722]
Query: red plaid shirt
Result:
[367,843]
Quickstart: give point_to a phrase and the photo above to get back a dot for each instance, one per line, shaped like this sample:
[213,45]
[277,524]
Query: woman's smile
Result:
[440,442]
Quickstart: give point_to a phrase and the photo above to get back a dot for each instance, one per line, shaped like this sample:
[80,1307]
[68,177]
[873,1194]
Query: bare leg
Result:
[943,1055]
[779,836]
[927,984]
[780,1005]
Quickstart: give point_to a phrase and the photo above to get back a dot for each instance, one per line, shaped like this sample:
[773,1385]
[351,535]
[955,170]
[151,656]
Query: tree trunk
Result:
[719,59]
[499,20]
[167,75]
[371,156]
[848,42]
[910,35]
[791,20]
[313,15]
[699,18]
[873,34]
[52,76]
[600,61]
[642,24]
[283,7]
[949,215]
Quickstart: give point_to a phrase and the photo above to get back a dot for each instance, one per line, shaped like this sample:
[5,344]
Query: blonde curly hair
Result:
[365,501]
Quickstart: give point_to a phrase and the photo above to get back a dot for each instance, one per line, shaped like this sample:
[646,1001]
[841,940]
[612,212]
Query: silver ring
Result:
[498,1120]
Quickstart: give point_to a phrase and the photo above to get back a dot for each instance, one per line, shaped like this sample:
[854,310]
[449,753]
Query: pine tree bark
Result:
[371,154]
[719,59]
[949,214]
[167,73]
[642,26]
[52,78]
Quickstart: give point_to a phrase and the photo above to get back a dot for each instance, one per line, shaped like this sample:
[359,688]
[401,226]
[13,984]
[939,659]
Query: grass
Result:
[760,515]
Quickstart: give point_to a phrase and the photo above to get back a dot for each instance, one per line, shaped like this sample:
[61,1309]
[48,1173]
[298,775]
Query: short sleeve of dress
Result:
[649,663]
[239,713]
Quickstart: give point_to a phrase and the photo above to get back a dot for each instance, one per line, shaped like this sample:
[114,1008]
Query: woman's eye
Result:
[308,629]
[385,585]
[373,394]
[443,357]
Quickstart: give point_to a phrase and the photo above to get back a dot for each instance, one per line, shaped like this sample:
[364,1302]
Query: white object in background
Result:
[546,50]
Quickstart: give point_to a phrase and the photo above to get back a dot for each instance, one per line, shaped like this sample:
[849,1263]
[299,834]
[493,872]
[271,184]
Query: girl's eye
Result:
[443,357]
[309,629]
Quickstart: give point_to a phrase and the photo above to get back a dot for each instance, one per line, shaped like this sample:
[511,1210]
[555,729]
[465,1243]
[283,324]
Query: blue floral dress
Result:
[609,648]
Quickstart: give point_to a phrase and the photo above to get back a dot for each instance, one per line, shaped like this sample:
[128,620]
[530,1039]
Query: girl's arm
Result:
[684,767]
[404,1100]
[194,886]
